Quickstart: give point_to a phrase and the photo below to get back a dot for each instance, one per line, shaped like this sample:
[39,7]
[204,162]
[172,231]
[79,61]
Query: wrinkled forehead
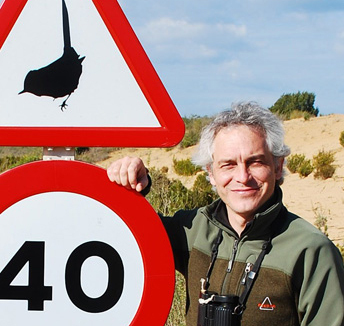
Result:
[257,129]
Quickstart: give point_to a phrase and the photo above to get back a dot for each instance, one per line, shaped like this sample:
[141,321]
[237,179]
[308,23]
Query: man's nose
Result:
[242,173]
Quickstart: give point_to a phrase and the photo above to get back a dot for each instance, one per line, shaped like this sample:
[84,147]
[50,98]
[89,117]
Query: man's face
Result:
[244,171]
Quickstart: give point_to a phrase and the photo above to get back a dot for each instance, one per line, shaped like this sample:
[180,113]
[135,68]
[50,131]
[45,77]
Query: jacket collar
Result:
[259,227]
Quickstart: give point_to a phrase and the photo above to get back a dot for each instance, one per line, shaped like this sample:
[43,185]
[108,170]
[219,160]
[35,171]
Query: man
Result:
[285,270]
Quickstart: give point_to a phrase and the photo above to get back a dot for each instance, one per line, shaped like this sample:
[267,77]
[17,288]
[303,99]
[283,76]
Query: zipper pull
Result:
[231,261]
[247,271]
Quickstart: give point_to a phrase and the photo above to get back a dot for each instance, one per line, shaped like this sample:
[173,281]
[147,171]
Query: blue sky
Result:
[212,53]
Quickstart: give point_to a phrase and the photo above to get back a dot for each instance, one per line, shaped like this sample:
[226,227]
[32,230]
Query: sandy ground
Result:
[306,197]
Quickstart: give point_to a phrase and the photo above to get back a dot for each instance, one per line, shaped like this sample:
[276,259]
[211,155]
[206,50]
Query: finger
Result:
[142,184]
[129,172]
[136,173]
[117,172]
[113,172]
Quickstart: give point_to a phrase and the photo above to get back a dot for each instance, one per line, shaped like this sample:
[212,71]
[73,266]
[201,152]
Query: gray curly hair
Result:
[243,113]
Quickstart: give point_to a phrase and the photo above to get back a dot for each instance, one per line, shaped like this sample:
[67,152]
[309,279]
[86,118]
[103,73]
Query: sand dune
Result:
[306,197]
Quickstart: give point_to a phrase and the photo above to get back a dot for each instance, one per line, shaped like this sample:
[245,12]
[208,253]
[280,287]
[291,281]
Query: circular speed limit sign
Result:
[77,249]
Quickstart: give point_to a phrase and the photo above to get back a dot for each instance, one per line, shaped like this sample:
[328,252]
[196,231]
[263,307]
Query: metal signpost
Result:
[76,248]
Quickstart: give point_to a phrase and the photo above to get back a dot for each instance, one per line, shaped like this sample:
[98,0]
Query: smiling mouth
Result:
[246,190]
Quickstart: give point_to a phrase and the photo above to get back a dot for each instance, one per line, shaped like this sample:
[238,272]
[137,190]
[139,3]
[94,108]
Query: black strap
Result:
[214,253]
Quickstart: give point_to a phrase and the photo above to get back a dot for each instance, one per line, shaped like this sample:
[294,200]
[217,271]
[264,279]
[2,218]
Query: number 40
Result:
[35,292]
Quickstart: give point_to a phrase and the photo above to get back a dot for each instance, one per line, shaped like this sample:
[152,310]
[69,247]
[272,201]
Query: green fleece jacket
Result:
[301,279]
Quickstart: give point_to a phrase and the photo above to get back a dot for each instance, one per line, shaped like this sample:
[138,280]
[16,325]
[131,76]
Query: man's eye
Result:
[257,163]
[229,165]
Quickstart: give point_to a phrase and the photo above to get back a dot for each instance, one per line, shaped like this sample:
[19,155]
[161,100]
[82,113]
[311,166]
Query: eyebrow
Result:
[250,158]
[257,157]
[254,157]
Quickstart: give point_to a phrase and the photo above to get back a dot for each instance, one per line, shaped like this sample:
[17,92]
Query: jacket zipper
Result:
[234,251]
[246,273]
[230,264]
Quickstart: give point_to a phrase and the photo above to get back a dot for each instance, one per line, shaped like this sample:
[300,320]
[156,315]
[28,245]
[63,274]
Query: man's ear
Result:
[279,168]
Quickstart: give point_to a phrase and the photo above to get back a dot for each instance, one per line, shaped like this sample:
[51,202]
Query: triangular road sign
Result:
[114,96]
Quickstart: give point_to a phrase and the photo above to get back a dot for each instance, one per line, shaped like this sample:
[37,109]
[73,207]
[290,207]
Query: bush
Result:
[341,138]
[193,128]
[292,105]
[185,167]
[167,196]
[294,162]
[305,168]
[202,192]
[323,165]
[297,163]
[9,162]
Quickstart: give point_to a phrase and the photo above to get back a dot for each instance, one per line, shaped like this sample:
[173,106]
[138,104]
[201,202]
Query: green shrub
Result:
[167,196]
[294,162]
[295,105]
[164,195]
[193,128]
[9,162]
[202,192]
[305,168]
[323,165]
[185,167]
[341,138]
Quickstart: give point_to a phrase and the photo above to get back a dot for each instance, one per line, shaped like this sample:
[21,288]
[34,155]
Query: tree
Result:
[301,101]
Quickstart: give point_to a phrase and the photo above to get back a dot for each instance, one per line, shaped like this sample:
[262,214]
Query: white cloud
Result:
[165,29]
[183,39]
[236,30]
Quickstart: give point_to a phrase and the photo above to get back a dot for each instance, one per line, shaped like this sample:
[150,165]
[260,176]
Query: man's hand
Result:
[129,172]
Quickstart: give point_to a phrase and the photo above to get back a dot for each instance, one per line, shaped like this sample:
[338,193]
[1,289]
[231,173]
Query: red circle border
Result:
[92,181]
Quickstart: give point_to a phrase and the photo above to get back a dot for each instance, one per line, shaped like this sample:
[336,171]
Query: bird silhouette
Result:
[61,77]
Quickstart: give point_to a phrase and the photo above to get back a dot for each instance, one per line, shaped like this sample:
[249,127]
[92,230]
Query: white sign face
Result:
[78,244]
[105,92]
